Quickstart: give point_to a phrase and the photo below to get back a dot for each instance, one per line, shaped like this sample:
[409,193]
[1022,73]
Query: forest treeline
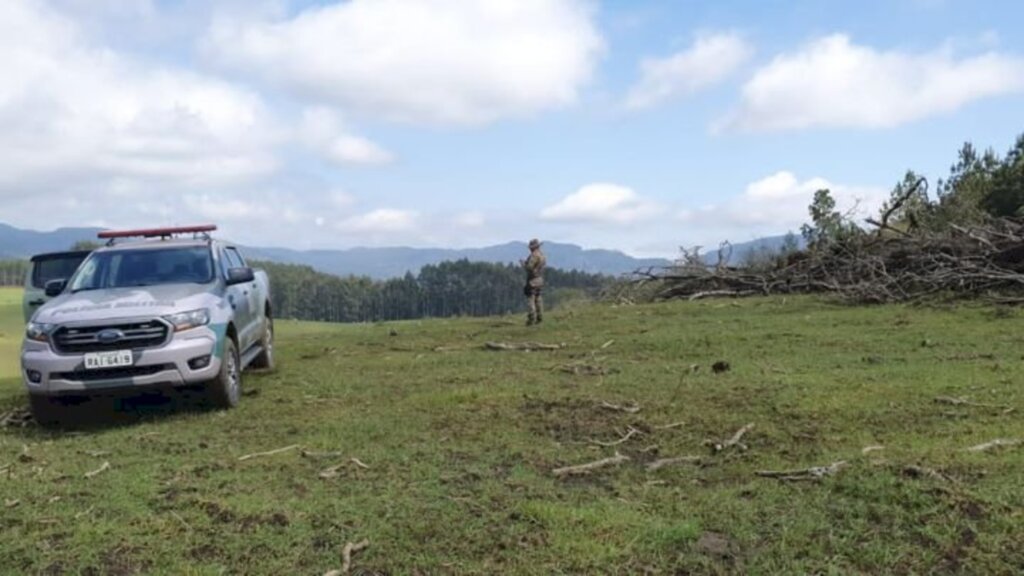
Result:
[459,288]
[456,288]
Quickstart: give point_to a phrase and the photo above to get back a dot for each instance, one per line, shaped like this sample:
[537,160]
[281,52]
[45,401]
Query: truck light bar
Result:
[110,235]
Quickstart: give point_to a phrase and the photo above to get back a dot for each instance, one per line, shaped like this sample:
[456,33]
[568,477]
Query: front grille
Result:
[133,336]
[111,373]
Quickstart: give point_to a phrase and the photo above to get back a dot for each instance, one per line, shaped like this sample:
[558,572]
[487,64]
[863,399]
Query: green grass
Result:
[11,330]
[460,445]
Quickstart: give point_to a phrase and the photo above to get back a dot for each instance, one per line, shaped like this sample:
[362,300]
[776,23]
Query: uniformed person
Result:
[534,266]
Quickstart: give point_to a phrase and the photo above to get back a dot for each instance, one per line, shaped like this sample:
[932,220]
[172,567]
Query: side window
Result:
[225,263]
[236,258]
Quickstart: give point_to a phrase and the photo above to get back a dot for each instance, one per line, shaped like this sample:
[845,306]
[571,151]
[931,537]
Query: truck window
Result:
[56,267]
[128,268]
[236,258]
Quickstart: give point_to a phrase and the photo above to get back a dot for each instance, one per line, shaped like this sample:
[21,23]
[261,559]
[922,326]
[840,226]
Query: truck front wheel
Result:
[225,390]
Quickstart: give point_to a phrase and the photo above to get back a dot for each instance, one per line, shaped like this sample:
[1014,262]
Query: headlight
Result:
[38,331]
[188,320]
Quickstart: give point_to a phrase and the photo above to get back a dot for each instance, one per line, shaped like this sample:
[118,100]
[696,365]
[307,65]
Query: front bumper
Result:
[167,365]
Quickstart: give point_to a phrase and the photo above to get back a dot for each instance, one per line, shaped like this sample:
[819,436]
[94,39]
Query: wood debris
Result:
[632,409]
[663,462]
[267,453]
[813,474]
[869,449]
[590,466]
[915,471]
[963,401]
[103,468]
[11,503]
[670,426]
[523,346]
[346,557]
[334,471]
[731,442]
[16,418]
[318,455]
[607,344]
[997,443]
[629,434]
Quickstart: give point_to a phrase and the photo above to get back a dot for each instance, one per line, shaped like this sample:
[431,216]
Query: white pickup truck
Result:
[162,307]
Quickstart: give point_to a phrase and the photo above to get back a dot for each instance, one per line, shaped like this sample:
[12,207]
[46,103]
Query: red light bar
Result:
[156,232]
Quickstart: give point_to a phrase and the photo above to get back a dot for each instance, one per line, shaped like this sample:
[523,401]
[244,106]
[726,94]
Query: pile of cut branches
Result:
[887,264]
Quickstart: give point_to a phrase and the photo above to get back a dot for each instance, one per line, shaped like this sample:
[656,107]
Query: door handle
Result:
[39,302]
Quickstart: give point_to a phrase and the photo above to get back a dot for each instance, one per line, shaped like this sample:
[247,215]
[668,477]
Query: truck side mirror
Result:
[240,276]
[55,287]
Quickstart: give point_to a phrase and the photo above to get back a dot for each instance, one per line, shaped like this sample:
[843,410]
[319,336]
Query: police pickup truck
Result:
[160,307]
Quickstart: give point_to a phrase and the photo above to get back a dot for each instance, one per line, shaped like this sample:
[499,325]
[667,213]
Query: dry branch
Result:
[669,426]
[659,464]
[267,453]
[618,408]
[869,449]
[590,466]
[915,471]
[523,346]
[997,443]
[346,557]
[814,473]
[734,441]
[629,434]
[963,401]
[103,468]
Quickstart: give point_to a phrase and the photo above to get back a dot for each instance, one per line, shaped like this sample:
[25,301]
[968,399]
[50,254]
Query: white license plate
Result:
[95,360]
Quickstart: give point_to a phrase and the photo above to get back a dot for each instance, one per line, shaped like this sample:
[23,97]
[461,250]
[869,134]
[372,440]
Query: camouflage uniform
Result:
[534,266]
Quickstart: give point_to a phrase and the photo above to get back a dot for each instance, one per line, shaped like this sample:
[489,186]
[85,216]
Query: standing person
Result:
[534,266]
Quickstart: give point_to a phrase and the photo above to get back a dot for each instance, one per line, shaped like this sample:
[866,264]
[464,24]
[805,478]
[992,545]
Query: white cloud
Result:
[71,112]
[711,59]
[778,203]
[601,203]
[473,219]
[323,131]
[383,220]
[430,61]
[832,82]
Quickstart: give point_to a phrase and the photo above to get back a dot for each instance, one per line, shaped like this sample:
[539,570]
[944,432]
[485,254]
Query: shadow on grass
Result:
[111,409]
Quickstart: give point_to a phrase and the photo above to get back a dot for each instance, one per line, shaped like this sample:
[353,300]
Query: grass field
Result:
[459,445]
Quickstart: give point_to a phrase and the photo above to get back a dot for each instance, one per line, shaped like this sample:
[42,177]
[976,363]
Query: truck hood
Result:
[116,303]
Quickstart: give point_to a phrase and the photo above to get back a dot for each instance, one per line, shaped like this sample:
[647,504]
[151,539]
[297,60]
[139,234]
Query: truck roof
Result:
[158,243]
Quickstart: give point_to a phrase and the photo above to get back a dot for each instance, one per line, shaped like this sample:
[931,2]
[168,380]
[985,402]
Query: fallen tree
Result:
[888,263]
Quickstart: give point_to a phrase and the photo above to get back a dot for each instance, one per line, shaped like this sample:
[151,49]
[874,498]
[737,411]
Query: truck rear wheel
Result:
[225,390]
[47,411]
[265,361]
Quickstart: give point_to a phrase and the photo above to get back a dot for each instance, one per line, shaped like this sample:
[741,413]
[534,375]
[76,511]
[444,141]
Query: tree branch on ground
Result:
[590,466]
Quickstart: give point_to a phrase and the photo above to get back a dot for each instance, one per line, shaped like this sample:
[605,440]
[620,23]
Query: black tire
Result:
[265,361]
[47,411]
[225,390]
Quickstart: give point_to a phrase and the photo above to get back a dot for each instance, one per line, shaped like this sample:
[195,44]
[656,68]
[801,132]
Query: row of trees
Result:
[459,288]
[12,272]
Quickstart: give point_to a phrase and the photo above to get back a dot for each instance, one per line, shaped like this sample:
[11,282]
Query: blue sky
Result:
[637,125]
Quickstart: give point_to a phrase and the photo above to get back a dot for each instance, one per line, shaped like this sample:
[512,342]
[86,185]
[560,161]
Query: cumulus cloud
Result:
[381,220]
[323,130]
[710,60]
[833,82]
[71,112]
[429,61]
[601,203]
[778,203]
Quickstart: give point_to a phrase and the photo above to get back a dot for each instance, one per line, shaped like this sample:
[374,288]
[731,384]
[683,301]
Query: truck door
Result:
[43,268]
[239,298]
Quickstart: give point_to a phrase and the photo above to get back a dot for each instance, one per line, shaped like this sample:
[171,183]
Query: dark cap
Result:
[534,244]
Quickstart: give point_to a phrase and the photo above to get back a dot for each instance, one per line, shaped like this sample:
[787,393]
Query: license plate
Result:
[114,359]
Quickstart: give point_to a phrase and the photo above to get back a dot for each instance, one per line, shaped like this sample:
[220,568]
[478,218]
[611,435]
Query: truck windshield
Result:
[144,267]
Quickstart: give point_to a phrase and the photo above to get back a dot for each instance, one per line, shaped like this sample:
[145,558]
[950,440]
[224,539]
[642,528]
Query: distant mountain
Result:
[373,262]
[17,243]
[743,250]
